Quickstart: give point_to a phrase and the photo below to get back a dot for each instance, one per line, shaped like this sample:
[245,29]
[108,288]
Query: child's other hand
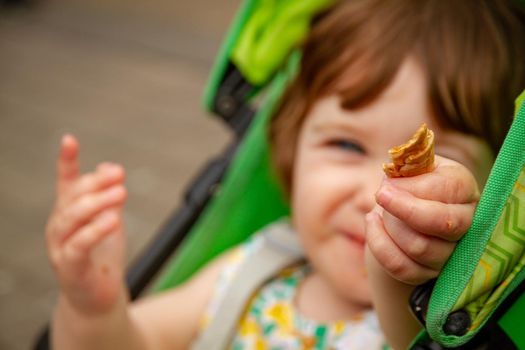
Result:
[85,240]
[418,220]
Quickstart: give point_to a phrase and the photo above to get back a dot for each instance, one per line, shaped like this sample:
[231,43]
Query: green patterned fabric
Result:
[487,264]
[502,260]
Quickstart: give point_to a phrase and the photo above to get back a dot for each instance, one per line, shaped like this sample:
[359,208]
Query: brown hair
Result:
[470,50]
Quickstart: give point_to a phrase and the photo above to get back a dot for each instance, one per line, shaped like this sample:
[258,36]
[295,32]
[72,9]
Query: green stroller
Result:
[479,299]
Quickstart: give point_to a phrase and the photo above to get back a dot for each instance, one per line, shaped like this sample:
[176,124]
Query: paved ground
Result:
[124,76]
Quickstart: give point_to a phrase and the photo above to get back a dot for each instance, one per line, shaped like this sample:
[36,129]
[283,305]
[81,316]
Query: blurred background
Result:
[126,77]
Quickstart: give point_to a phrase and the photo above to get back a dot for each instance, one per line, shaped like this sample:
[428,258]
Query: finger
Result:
[446,221]
[426,250]
[79,247]
[449,182]
[53,250]
[67,165]
[106,175]
[85,209]
[391,257]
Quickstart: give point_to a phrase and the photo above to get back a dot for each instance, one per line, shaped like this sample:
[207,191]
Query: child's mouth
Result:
[355,238]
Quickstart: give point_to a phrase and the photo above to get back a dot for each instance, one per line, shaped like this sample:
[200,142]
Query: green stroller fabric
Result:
[250,196]
[487,264]
[261,37]
[272,29]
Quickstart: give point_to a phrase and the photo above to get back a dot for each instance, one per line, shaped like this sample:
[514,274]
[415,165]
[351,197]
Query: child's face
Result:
[338,169]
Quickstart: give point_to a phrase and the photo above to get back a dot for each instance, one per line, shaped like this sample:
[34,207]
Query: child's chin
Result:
[357,291]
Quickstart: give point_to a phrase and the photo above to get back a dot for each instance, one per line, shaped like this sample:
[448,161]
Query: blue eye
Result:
[347,146]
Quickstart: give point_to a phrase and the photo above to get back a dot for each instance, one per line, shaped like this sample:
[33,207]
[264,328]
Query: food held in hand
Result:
[415,157]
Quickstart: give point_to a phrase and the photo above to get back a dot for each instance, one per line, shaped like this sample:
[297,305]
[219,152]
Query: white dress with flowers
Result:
[270,321]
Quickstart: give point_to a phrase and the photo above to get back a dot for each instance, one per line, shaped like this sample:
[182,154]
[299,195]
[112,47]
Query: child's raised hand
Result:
[418,220]
[85,240]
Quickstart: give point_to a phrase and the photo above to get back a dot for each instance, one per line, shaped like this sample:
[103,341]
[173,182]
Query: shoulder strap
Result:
[280,248]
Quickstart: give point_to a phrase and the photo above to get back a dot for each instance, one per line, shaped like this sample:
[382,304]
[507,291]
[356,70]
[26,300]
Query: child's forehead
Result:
[403,100]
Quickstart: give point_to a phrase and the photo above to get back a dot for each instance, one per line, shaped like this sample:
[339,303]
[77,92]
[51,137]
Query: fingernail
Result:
[67,138]
[110,169]
[116,168]
[384,195]
[107,219]
[103,165]
[116,192]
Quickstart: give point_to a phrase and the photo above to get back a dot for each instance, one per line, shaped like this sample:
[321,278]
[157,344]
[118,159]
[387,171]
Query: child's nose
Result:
[366,202]
[365,198]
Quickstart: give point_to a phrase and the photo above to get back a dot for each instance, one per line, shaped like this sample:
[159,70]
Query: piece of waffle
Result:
[415,157]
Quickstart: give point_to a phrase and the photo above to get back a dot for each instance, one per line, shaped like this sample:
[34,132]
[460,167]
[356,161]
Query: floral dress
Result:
[271,322]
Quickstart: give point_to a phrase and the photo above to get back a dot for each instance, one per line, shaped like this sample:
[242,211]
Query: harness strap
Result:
[280,248]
